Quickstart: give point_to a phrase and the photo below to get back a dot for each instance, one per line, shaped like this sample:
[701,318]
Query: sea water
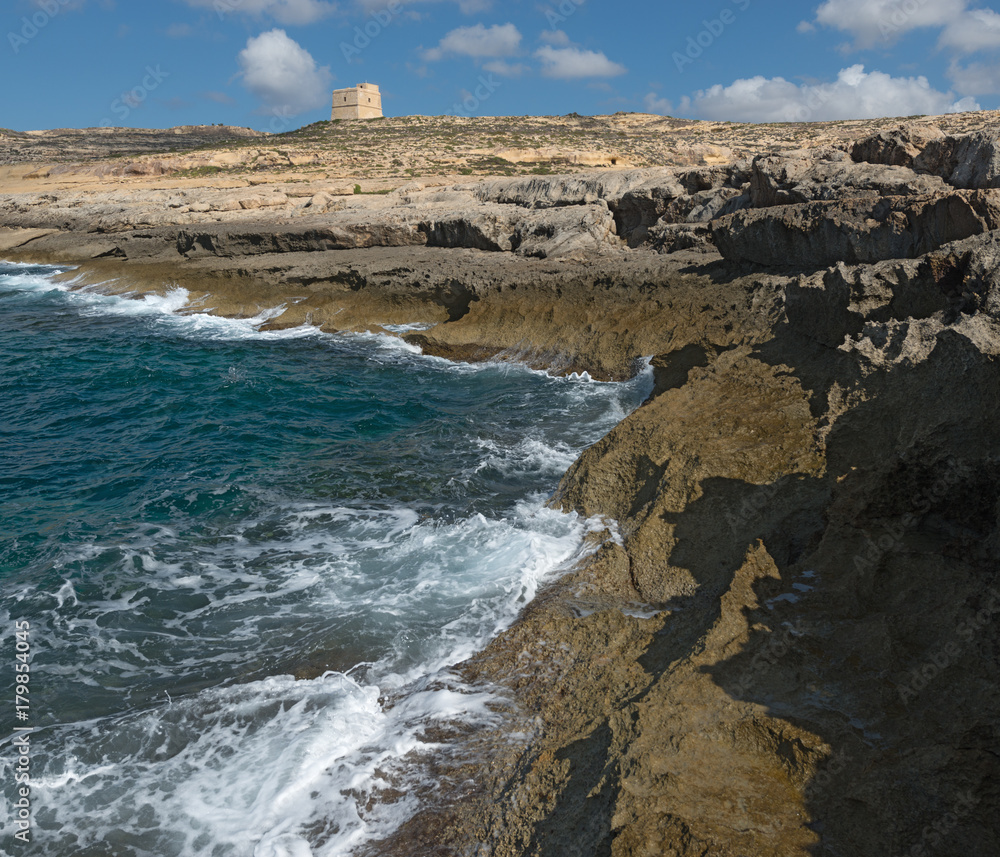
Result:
[247,561]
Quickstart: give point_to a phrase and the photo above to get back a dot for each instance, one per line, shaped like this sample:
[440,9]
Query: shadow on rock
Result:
[885,638]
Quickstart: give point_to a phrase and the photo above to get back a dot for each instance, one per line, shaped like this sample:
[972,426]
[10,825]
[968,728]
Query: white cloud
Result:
[468,7]
[556,37]
[655,104]
[977,30]
[505,69]
[875,21]
[500,40]
[975,78]
[290,12]
[571,63]
[282,74]
[856,94]
[63,4]
[805,27]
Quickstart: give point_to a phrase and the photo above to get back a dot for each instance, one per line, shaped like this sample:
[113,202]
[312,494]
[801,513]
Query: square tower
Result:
[363,101]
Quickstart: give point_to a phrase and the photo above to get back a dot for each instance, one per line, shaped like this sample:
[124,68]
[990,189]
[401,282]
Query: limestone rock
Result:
[263,200]
[818,234]
[638,199]
[969,161]
[898,147]
[780,180]
[11,238]
[674,237]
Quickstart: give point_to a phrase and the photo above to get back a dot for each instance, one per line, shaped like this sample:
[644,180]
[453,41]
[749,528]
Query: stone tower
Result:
[359,102]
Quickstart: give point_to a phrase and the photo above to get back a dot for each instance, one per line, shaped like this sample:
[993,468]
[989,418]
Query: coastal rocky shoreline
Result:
[787,640]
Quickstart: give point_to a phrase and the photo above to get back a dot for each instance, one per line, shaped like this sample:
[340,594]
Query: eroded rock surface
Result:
[817,234]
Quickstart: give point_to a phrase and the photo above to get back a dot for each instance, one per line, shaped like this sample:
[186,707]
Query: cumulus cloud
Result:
[505,69]
[856,94]
[500,40]
[655,104]
[290,12]
[556,37]
[978,30]
[571,63]
[962,33]
[874,21]
[975,78]
[282,74]
[467,7]
[963,30]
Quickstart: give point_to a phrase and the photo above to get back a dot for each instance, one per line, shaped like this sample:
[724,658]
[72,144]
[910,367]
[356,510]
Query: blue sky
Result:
[271,64]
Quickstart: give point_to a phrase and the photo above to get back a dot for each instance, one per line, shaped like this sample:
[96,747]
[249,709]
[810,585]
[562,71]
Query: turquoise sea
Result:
[247,560]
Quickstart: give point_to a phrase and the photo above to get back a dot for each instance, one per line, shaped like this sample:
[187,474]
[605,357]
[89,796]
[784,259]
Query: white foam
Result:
[410,328]
[457,582]
[36,282]
[172,308]
[65,592]
[276,767]
[261,768]
[528,456]
[175,309]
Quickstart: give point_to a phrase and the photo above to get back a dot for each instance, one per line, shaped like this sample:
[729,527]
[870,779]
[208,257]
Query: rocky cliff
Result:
[786,639]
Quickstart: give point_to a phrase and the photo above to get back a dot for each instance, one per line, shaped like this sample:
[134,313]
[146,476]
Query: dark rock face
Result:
[899,147]
[971,161]
[818,234]
[965,162]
